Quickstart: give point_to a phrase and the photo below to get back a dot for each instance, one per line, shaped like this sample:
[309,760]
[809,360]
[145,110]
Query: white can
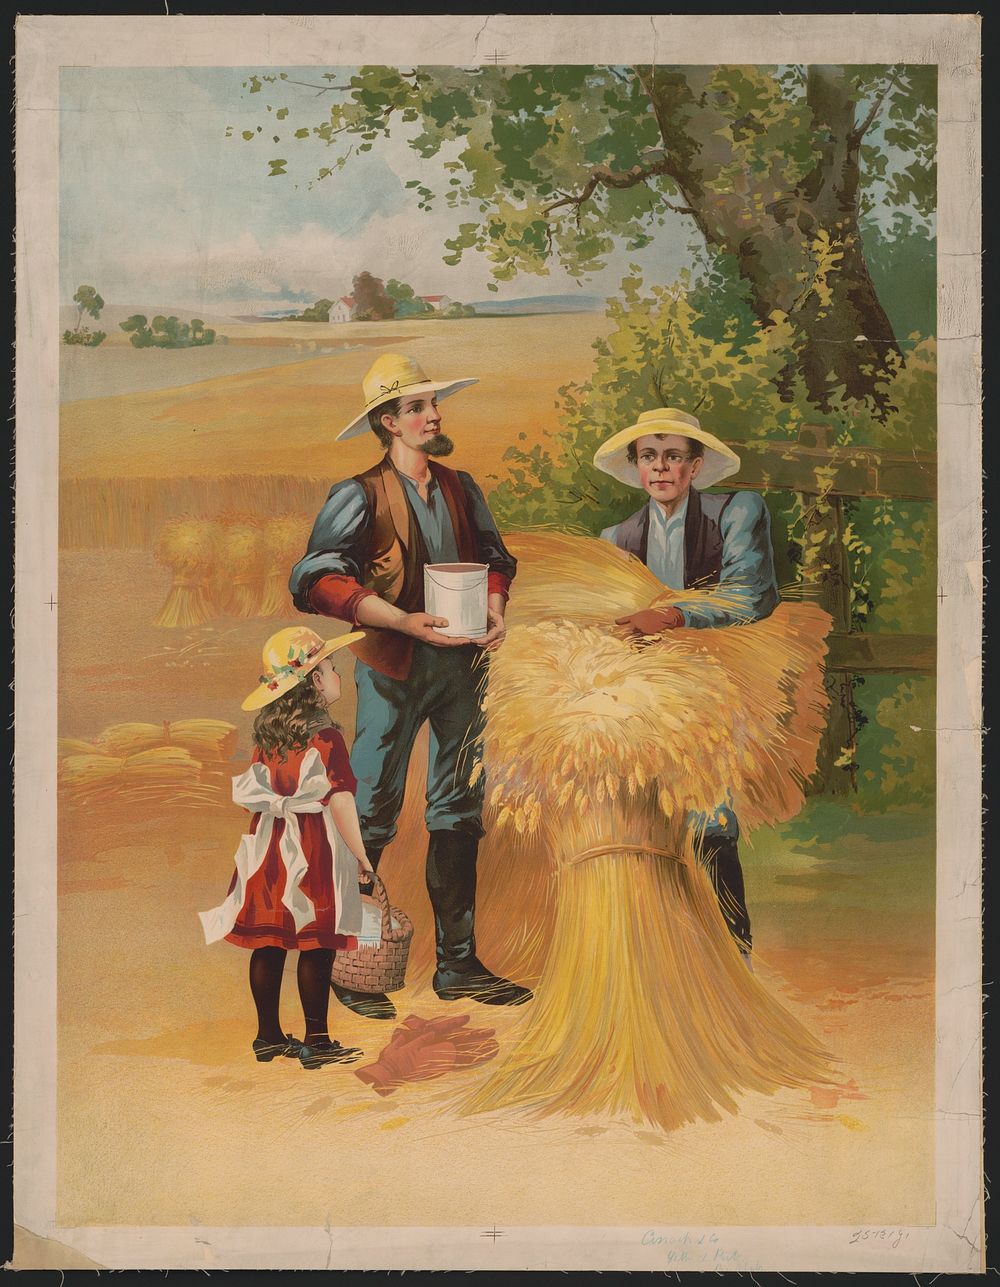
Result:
[457,592]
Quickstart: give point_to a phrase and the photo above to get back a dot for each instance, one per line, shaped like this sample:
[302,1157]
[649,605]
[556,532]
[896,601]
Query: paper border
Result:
[43,44]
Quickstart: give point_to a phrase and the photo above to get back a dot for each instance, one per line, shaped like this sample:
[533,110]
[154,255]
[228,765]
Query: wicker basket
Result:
[378,967]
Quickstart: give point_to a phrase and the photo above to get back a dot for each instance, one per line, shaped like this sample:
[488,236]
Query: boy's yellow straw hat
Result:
[289,656]
[612,456]
[393,376]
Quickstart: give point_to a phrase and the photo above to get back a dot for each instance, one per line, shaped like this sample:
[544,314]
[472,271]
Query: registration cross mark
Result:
[495,57]
[493,1233]
[52,602]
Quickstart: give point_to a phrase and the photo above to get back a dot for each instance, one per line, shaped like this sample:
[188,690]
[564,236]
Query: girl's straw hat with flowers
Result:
[290,655]
[392,376]
[612,456]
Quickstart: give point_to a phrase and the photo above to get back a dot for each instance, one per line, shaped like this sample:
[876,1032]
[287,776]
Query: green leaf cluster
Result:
[86,338]
[318,312]
[167,332]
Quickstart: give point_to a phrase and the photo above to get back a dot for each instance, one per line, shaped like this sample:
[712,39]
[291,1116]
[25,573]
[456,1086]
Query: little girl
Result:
[299,865]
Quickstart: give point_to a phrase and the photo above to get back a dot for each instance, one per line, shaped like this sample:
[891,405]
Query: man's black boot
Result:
[451,883]
[370,1005]
[722,858]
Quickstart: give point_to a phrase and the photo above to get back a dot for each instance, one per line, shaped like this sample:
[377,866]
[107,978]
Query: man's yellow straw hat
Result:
[612,456]
[393,376]
[289,655]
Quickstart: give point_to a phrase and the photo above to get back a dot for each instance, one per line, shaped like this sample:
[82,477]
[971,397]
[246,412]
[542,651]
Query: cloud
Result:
[159,208]
[311,262]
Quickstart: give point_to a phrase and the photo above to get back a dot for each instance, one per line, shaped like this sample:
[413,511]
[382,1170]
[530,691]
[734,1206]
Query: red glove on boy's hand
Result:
[651,621]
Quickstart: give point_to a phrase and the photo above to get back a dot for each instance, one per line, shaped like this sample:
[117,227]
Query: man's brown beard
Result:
[439,445]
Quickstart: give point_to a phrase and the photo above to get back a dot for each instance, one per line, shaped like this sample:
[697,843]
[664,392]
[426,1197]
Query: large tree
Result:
[775,166]
[87,300]
[371,301]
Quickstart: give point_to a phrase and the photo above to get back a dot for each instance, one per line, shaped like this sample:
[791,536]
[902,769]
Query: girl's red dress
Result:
[264,921]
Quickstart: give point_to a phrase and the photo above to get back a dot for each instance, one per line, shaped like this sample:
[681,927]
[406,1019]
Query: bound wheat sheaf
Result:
[609,749]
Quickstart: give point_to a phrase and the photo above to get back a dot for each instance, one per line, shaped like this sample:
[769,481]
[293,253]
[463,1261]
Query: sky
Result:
[159,207]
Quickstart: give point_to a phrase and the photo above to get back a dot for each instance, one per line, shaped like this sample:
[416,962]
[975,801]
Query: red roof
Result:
[432,299]
[348,300]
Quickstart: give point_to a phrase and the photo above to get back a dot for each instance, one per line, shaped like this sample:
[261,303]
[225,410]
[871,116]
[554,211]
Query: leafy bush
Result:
[89,339]
[697,346]
[455,309]
[318,312]
[408,302]
[897,742]
[167,332]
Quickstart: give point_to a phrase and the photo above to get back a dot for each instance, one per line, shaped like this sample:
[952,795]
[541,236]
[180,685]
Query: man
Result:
[365,564]
[689,540]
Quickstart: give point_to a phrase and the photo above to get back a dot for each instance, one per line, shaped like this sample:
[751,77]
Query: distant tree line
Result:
[374,301]
[167,332]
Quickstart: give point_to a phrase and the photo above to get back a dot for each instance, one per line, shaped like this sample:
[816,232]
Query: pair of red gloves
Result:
[422,1049]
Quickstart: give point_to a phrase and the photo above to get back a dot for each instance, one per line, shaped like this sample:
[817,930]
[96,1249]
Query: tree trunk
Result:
[799,249]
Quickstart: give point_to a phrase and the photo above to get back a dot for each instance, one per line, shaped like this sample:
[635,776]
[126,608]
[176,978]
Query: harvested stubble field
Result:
[282,419]
[848,953]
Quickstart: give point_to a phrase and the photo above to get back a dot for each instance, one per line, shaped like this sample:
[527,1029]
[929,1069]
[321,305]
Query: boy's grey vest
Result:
[702,536]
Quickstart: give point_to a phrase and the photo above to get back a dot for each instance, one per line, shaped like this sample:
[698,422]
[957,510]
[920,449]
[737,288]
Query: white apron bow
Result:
[252,790]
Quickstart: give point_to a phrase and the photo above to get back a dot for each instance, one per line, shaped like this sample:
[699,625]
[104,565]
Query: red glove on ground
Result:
[423,1049]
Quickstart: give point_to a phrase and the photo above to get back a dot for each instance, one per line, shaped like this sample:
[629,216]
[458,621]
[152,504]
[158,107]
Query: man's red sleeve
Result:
[497,583]
[338,596]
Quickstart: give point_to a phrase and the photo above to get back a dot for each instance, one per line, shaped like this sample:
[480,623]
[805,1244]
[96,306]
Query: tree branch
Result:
[860,131]
[323,89]
[604,175]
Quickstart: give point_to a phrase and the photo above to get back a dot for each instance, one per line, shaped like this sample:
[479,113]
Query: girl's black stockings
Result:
[314,990]
[266,967]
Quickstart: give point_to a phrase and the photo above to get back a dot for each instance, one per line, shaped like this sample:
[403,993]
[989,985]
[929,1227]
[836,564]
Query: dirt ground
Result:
[164,1118]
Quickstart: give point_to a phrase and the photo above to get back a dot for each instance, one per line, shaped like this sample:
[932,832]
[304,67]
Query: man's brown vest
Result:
[702,536]
[396,556]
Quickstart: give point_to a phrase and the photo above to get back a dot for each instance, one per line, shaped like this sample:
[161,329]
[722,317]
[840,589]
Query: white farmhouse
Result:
[342,309]
[438,302]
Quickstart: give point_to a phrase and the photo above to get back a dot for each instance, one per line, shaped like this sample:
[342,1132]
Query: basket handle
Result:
[389,935]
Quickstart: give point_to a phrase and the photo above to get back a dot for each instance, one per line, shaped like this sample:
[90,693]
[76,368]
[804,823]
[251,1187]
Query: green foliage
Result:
[408,302]
[318,312]
[517,141]
[89,339]
[697,346]
[908,111]
[87,300]
[775,165]
[167,332]
[688,346]
[896,743]
[456,309]
[903,267]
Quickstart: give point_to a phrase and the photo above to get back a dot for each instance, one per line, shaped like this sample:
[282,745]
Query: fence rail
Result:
[815,469]
[851,471]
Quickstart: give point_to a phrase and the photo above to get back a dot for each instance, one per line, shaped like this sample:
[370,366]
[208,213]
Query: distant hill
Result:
[543,304]
[282,315]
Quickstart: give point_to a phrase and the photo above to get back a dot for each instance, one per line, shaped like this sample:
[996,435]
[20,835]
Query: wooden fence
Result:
[846,473]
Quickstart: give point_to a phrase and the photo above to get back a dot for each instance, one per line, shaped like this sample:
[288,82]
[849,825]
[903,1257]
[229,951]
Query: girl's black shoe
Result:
[319,1052]
[267,1050]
